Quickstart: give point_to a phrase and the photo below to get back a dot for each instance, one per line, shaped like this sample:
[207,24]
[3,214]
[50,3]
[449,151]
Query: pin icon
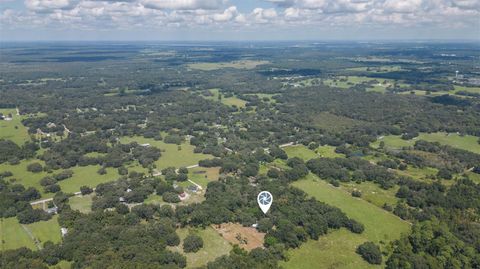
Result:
[264,200]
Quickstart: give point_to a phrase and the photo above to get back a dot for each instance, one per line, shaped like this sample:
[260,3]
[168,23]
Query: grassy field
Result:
[13,236]
[46,230]
[203,176]
[171,155]
[329,121]
[214,246]
[381,227]
[81,203]
[467,89]
[467,142]
[377,69]
[351,81]
[14,129]
[306,154]
[242,64]
[229,101]
[474,177]
[334,250]
[301,152]
[372,193]
[81,176]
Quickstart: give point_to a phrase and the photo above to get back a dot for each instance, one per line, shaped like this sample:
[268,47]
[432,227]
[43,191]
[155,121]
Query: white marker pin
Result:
[265,200]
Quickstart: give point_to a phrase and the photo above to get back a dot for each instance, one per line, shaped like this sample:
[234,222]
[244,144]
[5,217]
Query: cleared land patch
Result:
[247,238]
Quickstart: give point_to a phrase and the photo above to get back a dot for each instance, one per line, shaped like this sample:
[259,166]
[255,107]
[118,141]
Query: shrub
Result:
[370,252]
[192,243]
[35,168]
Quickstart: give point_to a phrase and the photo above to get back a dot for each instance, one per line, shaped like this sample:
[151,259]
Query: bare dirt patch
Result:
[247,238]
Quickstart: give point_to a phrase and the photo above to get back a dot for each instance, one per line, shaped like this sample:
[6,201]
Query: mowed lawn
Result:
[381,227]
[214,246]
[467,142]
[13,129]
[13,235]
[172,156]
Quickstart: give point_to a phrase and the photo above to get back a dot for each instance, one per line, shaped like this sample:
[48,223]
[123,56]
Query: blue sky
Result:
[239,19]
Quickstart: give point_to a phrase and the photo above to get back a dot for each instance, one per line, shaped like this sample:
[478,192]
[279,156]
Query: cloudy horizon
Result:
[239,20]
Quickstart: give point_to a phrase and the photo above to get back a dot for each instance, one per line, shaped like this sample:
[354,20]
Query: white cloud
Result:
[208,14]
[48,5]
[183,4]
[227,15]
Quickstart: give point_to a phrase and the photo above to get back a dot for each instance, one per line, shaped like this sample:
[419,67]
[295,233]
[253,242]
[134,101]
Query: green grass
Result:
[46,230]
[81,203]
[334,250]
[62,265]
[467,89]
[332,122]
[242,64]
[13,236]
[328,152]
[301,152]
[372,193]
[214,246]
[351,81]
[229,101]
[381,227]
[8,131]
[171,156]
[467,142]
[474,177]
[87,176]
[210,174]
[306,154]
[393,142]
